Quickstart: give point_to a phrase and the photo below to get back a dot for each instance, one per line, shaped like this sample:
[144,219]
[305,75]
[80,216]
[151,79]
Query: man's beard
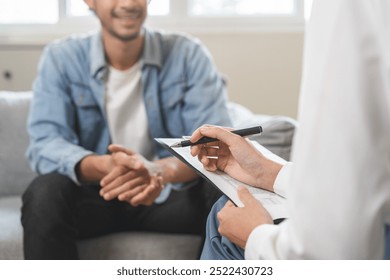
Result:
[128,12]
[124,38]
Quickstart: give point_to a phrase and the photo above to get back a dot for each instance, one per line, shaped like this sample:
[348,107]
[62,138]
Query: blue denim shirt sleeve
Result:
[54,145]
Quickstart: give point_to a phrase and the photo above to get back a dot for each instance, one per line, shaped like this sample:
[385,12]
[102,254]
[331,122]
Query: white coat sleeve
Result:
[282,181]
[339,193]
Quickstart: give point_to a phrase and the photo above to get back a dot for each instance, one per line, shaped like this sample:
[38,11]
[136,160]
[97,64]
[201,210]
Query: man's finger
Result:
[150,192]
[131,192]
[129,161]
[114,148]
[146,197]
[114,190]
[113,175]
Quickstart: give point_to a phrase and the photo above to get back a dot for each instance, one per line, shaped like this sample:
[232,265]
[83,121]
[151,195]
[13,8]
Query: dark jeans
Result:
[56,213]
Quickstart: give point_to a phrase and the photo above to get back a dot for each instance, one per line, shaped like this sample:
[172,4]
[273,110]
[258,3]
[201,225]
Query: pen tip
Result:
[176,145]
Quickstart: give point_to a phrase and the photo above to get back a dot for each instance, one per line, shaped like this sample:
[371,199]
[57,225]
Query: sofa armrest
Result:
[15,173]
[278,131]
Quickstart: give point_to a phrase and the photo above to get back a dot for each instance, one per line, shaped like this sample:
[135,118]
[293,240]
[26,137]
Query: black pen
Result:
[242,132]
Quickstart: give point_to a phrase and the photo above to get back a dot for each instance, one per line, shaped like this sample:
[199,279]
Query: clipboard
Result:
[275,204]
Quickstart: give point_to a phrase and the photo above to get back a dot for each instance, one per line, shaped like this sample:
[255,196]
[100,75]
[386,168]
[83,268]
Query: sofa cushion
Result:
[11,234]
[125,245]
[141,246]
[15,173]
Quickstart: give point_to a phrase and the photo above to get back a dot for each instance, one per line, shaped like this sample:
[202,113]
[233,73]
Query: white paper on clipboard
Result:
[275,204]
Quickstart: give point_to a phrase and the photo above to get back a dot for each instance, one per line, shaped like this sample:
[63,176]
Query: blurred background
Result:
[256,44]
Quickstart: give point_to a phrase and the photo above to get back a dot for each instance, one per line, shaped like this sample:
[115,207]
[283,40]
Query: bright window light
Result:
[59,17]
[28,11]
[308,4]
[79,8]
[241,7]
[158,7]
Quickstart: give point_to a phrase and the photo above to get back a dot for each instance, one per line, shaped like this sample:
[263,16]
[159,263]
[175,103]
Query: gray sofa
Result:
[15,175]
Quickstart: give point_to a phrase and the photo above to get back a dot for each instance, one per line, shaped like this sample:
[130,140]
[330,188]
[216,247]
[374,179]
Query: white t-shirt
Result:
[339,185]
[126,113]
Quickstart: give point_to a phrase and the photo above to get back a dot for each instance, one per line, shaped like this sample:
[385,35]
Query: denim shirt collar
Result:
[97,57]
[152,50]
[151,53]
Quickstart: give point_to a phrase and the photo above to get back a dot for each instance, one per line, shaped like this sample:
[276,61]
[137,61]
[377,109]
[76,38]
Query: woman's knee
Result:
[212,221]
[219,204]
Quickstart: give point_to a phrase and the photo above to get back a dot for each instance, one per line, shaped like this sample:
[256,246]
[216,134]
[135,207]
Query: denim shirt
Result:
[67,120]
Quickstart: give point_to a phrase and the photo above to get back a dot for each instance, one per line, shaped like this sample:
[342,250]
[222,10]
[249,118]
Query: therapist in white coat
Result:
[338,188]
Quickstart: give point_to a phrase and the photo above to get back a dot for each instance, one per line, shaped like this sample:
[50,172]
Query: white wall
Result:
[263,68]
[20,61]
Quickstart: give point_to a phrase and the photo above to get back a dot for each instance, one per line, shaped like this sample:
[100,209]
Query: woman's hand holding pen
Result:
[133,178]
[236,156]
